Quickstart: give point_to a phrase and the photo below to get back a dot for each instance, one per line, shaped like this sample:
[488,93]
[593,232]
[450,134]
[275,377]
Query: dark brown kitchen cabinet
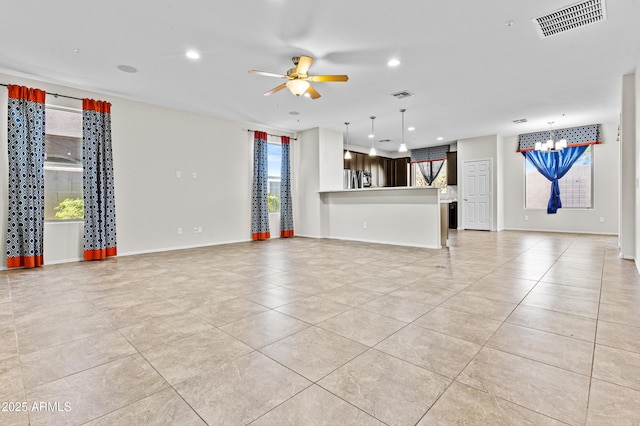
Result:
[452,168]
[401,171]
[385,172]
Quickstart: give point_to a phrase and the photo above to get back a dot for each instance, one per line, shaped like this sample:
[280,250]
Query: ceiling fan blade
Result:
[267,74]
[304,62]
[276,89]
[313,93]
[326,78]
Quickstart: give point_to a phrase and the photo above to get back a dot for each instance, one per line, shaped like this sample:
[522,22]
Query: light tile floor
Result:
[501,328]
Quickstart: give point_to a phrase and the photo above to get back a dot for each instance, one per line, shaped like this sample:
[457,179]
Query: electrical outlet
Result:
[365,225]
[179,231]
[199,229]
[178,174]
[601,219]
[195,229]
[526,218]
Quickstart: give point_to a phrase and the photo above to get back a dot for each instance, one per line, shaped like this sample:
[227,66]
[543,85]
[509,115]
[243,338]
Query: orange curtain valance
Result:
[98,106]
[22,92]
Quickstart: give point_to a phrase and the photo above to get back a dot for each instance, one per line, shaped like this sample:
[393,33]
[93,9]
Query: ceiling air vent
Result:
[520,121]
[571,17]
[403,94]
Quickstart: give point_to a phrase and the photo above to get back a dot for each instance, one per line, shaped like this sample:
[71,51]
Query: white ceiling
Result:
[470,73]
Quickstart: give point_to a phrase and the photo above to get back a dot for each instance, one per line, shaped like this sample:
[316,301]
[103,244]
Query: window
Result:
[440,180]
[575,187]
[274,160]
[63,198]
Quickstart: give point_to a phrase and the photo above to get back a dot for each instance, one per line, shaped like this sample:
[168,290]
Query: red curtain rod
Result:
[52,94]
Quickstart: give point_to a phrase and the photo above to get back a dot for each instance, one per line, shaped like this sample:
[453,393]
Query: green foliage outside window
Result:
[70,209]
[273,203]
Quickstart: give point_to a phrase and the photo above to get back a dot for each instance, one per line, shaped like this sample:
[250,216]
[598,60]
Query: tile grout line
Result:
[595,340]
[492,335]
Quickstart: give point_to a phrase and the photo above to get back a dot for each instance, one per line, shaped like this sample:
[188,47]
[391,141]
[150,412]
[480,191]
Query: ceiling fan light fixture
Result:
[298,87]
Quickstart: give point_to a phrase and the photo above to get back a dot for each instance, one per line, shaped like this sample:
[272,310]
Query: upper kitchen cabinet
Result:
[385,172]
[452,168]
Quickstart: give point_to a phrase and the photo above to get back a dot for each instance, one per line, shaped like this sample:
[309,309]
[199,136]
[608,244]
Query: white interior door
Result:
[477,200]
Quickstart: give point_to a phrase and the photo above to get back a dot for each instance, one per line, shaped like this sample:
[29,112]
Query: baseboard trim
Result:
[559,231]
[391,243]
[163,249]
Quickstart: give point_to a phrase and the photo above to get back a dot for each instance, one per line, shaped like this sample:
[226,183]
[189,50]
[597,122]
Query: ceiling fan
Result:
[299,80]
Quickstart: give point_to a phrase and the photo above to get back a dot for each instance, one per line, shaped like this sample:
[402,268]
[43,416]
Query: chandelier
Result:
[551,144]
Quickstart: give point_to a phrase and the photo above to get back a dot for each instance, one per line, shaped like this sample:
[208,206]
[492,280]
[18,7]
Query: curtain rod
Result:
[52,94]
[270,134]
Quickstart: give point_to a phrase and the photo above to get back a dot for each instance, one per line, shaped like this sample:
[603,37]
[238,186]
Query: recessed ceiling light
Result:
[127,68]
[411,129]
[440,138]
[192,54]
[393,62]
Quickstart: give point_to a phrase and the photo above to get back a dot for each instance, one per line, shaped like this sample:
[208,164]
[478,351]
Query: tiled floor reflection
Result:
[505,328]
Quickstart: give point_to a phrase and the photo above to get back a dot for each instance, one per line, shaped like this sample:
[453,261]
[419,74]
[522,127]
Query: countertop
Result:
[387,188]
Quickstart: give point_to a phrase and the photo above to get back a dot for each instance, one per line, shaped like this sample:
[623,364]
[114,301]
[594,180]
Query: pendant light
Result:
[403,146]
[347,155]
[372,152]
[551,144]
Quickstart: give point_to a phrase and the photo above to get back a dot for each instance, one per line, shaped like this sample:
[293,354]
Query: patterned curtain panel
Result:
[554,165]
[430,169]
[260,207]
[97,178]
[26,118]
[286,210]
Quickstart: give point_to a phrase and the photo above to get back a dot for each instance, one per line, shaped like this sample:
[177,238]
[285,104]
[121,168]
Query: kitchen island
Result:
[406,216]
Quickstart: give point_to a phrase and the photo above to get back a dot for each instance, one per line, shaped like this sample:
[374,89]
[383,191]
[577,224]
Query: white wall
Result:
[481,148]
[331,160]
[399,216]
[306,166]
[318,164]
[605,192]
[637,174]
[500,178]
[627,228]
[150,144]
